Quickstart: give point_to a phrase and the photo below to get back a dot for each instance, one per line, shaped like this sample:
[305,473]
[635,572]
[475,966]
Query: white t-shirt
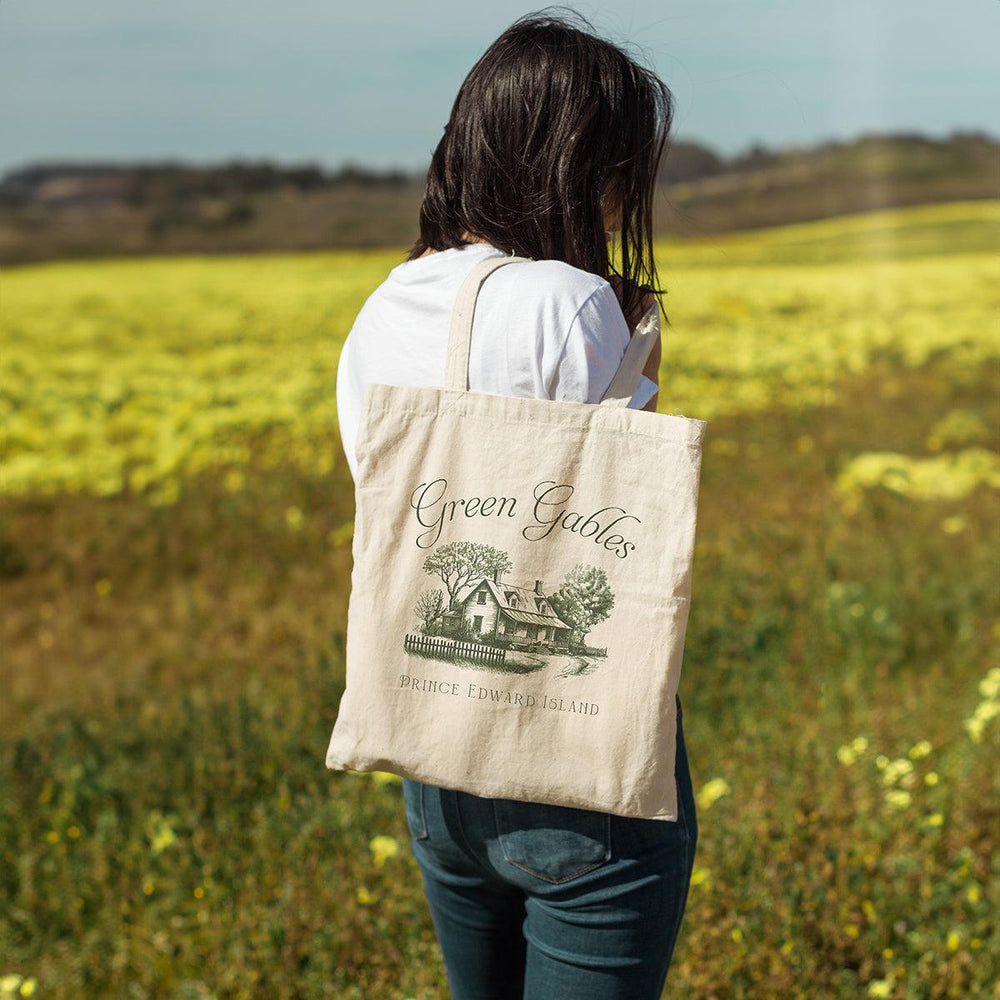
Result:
[543,329]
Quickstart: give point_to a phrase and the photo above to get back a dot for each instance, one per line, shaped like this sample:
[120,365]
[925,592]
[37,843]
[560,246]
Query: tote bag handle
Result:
[622,386]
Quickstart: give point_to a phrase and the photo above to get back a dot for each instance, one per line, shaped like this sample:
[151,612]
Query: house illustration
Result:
[521,613]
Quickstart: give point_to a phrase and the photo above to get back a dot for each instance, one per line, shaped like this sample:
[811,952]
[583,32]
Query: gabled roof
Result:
[526,595]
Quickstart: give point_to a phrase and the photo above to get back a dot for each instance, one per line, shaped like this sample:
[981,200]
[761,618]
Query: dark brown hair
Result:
[549,122]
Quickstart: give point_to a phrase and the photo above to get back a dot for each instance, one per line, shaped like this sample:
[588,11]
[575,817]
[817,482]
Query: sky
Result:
[372,84]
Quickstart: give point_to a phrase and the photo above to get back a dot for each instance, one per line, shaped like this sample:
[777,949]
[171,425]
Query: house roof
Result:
[531,618]
[526,594]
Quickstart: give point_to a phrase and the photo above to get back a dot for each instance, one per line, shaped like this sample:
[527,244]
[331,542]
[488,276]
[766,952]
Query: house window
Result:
[481,597]
[477,623]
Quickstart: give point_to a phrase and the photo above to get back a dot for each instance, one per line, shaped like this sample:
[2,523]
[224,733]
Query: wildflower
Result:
[935,819]
[953,525]
[954,939]
[880,987]
[957,427]
[931,778]
[10,983]
[895,769]
[881,762]
[921,749]
[851,930]
[383,847]
[699,875]
[294,518]
[736,934]
[945,477]
[974,727]
[28,987]
[985,711]
[846,755]
[712,791]
[859,744]
[364,896]
[897,799]
[159,831]
[786,947]
[103,587]
[989,686]
[973,894]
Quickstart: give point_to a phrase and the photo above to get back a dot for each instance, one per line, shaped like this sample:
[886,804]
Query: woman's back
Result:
[543,329]
[552,147]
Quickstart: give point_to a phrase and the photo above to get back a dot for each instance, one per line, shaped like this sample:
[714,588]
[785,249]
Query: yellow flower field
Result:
[132,375]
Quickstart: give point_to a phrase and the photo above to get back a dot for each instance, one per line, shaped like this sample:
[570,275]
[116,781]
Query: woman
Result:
[553,142]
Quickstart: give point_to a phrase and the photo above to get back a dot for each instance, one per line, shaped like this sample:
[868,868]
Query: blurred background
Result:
[196,200]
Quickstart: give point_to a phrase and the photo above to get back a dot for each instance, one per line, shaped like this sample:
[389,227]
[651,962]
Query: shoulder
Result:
[562,329]
[551,281]
[550,301]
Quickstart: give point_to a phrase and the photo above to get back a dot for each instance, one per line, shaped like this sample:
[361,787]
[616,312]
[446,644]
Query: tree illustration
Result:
[460,563]
[584,598]
[429,608]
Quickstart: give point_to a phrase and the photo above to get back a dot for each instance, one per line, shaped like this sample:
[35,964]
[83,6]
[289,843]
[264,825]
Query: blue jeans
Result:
[541,902]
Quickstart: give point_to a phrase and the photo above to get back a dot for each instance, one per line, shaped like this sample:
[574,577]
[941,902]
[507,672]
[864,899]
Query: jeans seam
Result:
[420,816]
[422,813]
[460,823]
[689,864]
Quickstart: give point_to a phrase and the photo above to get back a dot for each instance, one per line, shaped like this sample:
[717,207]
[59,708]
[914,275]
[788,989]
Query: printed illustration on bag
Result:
[482,620]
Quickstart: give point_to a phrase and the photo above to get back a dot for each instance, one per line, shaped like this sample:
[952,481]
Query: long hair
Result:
[551,126]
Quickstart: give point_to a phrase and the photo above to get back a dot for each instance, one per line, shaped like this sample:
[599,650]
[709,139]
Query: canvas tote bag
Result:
[520,587]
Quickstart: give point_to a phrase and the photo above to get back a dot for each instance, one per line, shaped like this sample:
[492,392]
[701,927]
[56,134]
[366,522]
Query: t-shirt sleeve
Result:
[594,347]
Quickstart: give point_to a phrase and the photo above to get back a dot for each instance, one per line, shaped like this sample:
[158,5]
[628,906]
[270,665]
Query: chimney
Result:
[538,588]
[496,576]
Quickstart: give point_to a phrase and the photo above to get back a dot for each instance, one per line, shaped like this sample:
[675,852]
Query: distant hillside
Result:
[763,188]
[57,210]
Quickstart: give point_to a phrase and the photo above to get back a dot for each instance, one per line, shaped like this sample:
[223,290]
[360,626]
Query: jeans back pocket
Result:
[552,843]
[416,817]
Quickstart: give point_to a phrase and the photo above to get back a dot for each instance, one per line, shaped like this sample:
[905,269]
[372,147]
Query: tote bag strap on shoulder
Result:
[622,386]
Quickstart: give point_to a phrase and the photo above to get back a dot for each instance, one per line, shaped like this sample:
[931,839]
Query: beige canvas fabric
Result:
[520,588]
